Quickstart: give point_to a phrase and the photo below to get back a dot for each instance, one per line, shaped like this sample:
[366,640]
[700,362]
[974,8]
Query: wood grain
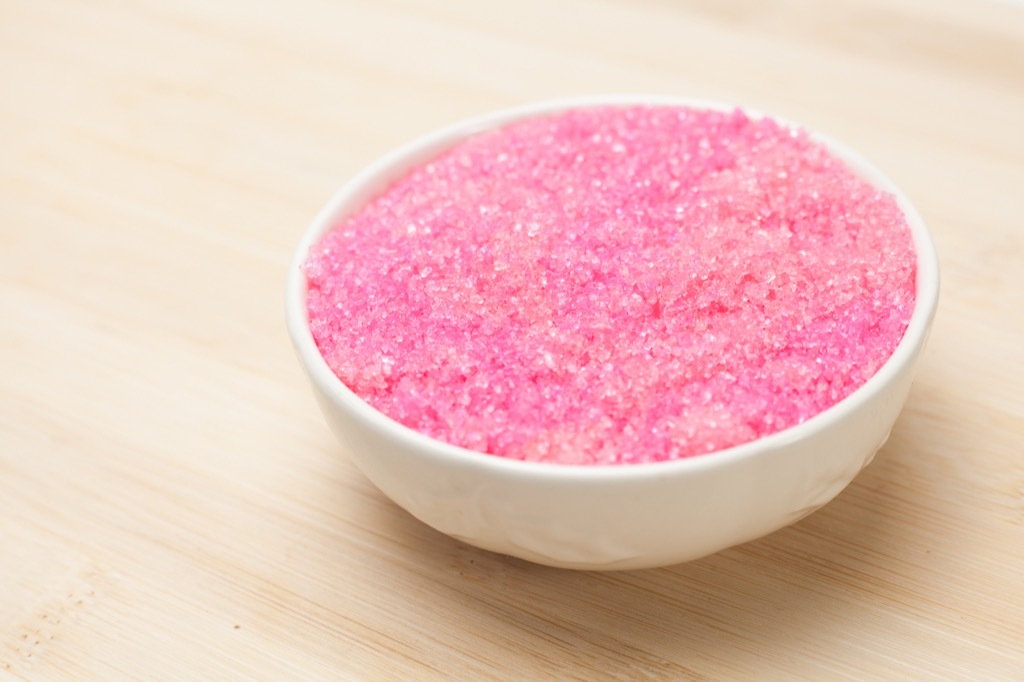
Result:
[171,503]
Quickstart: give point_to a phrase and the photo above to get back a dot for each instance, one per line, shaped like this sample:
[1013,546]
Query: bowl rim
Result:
[429,145]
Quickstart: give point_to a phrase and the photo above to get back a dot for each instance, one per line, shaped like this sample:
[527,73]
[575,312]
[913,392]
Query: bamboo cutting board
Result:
[172,505]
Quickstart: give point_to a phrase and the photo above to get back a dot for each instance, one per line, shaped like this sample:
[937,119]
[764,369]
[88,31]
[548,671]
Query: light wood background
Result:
[172,505]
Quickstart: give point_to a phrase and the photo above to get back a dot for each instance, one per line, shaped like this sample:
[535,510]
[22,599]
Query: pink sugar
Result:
[615,285]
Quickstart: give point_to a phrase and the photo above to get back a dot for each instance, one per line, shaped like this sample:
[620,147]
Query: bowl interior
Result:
[376,178]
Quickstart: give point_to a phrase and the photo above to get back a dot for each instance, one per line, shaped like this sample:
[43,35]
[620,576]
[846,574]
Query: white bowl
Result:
[615,516]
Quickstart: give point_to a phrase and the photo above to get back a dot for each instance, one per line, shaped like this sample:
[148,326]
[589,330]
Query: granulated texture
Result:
[615,285]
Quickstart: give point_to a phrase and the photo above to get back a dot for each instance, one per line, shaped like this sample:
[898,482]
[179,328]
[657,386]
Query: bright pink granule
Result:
[615,285]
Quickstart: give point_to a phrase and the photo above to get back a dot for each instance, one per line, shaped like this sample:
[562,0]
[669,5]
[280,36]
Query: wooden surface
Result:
[172,505]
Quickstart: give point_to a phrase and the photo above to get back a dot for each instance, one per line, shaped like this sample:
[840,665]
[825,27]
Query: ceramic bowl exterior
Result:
[620,516]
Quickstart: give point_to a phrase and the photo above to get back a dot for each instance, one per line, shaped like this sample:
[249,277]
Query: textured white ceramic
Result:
[610,517]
